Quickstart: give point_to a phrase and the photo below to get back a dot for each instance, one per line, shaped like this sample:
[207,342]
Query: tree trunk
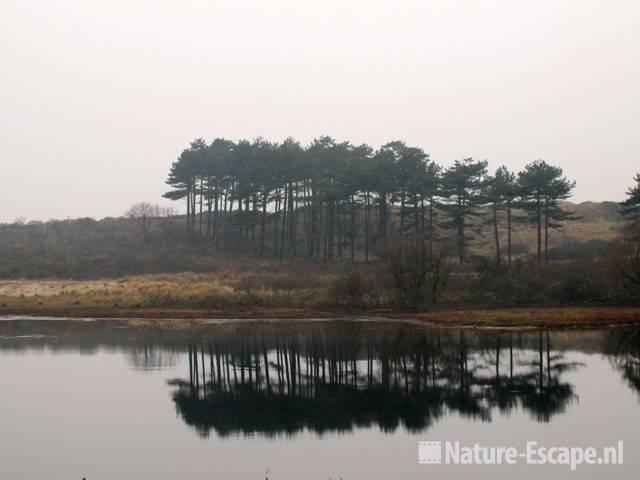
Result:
[382,207]
[276,215]
[509,230]
[416,213]
[431,230]
[402,207]
[460,234]
[290,225]
[200,217]
[546,230]
[209,207]
[352,231]
[339,220]
[216,220]
[188,213]
[366,228]
[284,223]
[263,223]
[319,214]
[496,234]
[539,227]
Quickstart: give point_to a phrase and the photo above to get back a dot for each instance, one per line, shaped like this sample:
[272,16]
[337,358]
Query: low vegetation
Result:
[403,280]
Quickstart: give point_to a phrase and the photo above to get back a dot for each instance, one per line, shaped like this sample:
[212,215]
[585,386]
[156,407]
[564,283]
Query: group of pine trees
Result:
[330,200]
[631,210]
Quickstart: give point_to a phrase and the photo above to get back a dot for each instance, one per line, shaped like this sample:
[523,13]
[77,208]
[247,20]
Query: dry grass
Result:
[225,287]
[128,290]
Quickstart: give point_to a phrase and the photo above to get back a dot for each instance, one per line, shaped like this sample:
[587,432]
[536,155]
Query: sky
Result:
[98,98]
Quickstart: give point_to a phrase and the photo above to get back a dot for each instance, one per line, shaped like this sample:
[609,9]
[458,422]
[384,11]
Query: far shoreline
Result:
[497,317]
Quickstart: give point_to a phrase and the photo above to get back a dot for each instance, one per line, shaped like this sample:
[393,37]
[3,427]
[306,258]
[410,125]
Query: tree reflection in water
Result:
[336,378]
[623,348]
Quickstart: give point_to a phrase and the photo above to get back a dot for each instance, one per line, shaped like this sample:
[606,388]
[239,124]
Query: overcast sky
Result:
[98,98]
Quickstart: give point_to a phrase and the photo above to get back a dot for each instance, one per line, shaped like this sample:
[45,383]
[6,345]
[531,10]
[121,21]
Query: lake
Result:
[306,400]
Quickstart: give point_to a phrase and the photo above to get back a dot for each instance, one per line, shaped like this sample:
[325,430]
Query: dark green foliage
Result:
[631,210]
[331,200]
[541,187]
[462,188]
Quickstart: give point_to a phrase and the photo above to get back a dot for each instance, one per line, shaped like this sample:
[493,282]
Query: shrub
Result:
[349,292]
[624,269]
[418,273]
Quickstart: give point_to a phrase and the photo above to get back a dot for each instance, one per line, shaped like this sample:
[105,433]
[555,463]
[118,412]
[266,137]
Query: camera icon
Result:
[429,453]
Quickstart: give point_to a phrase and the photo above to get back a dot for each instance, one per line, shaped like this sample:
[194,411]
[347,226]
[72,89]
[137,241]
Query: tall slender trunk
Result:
[509,230]
[352,231]
[209,208]
[402,213]
[431,229]
[496,234]
[200,215]
[193,211]
[229,218]
[254,216]
[319,229]
[263,223]
[416,213]
[189,213]
[216,220]
[339,224]
[291,224]
[546,230]
[382,213]
[325,248]
[224,217]
[240,221]
[366,227]
[294,226]
[313,212]
[284,223]
[460,232]
[331,214]
[539,227]
[276,215]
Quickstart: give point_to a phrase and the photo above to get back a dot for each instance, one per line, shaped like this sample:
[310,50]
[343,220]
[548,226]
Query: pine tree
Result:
[542,186]
[501,191]
[463,189]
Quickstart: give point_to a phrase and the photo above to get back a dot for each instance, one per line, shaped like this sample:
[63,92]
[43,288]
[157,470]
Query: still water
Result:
[305,400]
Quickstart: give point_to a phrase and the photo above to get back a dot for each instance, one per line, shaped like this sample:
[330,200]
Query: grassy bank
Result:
[268,295]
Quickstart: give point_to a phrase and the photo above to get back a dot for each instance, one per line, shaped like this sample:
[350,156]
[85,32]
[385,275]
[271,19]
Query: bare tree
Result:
[625,261]
[418,273]
[146,217]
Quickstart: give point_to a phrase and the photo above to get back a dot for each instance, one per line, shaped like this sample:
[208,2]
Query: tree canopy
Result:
[328,199]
